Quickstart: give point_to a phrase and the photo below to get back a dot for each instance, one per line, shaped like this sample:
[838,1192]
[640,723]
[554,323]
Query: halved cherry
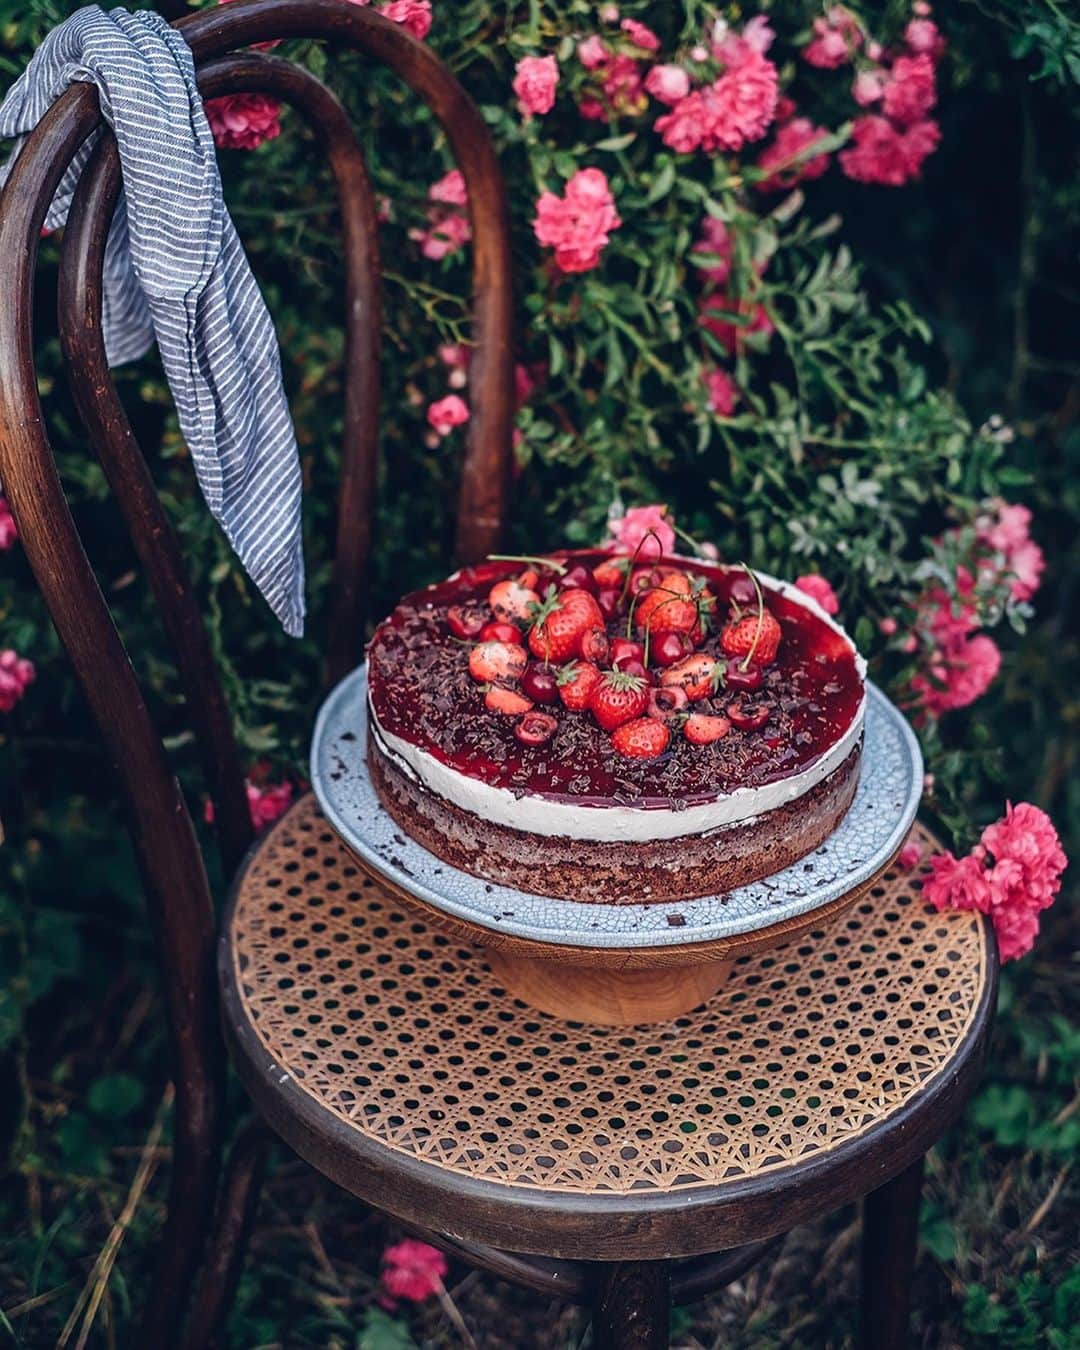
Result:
[739,679]
[666,701]
[667,648]
[536,728]
[747,716]
[625,649]
[593,646]
[540,683]
[644,579]
[466,621]
[501,632]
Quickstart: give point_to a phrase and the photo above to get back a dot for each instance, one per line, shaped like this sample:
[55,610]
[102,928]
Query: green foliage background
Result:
[905,319]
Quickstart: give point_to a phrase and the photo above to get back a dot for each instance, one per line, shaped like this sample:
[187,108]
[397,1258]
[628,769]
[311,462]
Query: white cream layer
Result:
[620,823]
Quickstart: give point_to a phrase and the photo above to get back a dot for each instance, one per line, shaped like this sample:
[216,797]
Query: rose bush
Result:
[726,228]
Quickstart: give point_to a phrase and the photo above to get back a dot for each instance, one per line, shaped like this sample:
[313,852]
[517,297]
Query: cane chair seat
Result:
[379,1047]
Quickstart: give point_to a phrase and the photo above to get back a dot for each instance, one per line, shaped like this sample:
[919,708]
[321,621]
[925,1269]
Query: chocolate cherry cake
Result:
[591,727]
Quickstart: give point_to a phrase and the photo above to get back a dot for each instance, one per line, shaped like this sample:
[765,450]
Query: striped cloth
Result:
[175,270]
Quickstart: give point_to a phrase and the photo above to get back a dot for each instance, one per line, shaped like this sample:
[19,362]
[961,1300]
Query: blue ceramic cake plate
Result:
[874,828]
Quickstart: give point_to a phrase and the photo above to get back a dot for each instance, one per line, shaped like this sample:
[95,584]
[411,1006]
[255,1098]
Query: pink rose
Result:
[535,79]
[722,390]
[444,237]
[449,189]
[868,87]
[242,121]
[640,35]
[643,528]
[592,53]
[910,856]
[922,35]
[623,86]
[1012,874]
[717,317]
[412,1270]
[448,413]
[736,108]
[667,84]
[962,673]
[16,673]
[1007,533]
[957,883]
[787,160]
[715,240]
[828,50]
[266,804]
[577,225]
[415,15]
[910,91]
[882,154]
[817,588]
[9,531]
[757,33]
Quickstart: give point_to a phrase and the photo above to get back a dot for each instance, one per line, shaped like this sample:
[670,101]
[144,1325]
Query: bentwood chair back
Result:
[175,878]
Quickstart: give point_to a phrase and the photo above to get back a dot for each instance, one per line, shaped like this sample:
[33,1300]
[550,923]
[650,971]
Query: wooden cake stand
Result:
[621,965]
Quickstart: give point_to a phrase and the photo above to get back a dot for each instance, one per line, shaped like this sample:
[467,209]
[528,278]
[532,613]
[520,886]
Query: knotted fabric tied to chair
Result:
[175,270]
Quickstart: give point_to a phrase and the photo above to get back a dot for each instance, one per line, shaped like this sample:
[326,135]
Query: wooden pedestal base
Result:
[616,998]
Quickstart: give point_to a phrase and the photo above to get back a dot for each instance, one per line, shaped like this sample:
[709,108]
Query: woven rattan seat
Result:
[403,1040]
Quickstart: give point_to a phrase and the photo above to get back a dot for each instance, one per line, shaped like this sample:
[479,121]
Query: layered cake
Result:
[592,726]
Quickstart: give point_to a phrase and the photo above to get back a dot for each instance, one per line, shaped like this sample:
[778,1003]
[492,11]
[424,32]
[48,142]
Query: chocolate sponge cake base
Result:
[617,873]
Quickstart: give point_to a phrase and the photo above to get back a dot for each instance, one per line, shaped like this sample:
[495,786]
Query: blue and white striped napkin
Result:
[175,270]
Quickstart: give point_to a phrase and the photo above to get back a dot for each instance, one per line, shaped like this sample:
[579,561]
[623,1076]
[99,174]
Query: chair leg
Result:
[890,1230]
[193,1185]
[632,1306]
[227,1246]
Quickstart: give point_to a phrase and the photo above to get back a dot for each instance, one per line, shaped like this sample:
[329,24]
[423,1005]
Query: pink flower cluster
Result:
[448,224]
[817,588]
[447,413]
[16,672]
[1012,874]
[959,663]
[891,143]
[415,15]
[243,121]
[412,1270]
[535,81]
[9,531]
[732,110]
[636,527]
[578,224]
[790,158]
[267,803]
[1006,530]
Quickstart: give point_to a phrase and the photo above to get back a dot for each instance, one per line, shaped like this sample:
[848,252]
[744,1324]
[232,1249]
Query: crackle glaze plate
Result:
[883,811]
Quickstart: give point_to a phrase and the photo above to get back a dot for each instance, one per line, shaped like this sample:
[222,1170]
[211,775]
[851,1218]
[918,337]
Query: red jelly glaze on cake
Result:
[421,691]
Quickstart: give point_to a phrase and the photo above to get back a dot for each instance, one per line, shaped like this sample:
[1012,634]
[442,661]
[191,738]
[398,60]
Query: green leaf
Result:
[383,1332]
[661,184]
[115,1096]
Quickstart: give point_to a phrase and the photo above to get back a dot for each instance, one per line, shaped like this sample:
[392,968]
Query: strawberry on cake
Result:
[592,726]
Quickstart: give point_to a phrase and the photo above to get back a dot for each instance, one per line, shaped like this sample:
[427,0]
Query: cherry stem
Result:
[649,534]
[744,664]
[529,558]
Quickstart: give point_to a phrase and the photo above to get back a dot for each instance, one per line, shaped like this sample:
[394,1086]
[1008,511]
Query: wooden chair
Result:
[618,1168]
